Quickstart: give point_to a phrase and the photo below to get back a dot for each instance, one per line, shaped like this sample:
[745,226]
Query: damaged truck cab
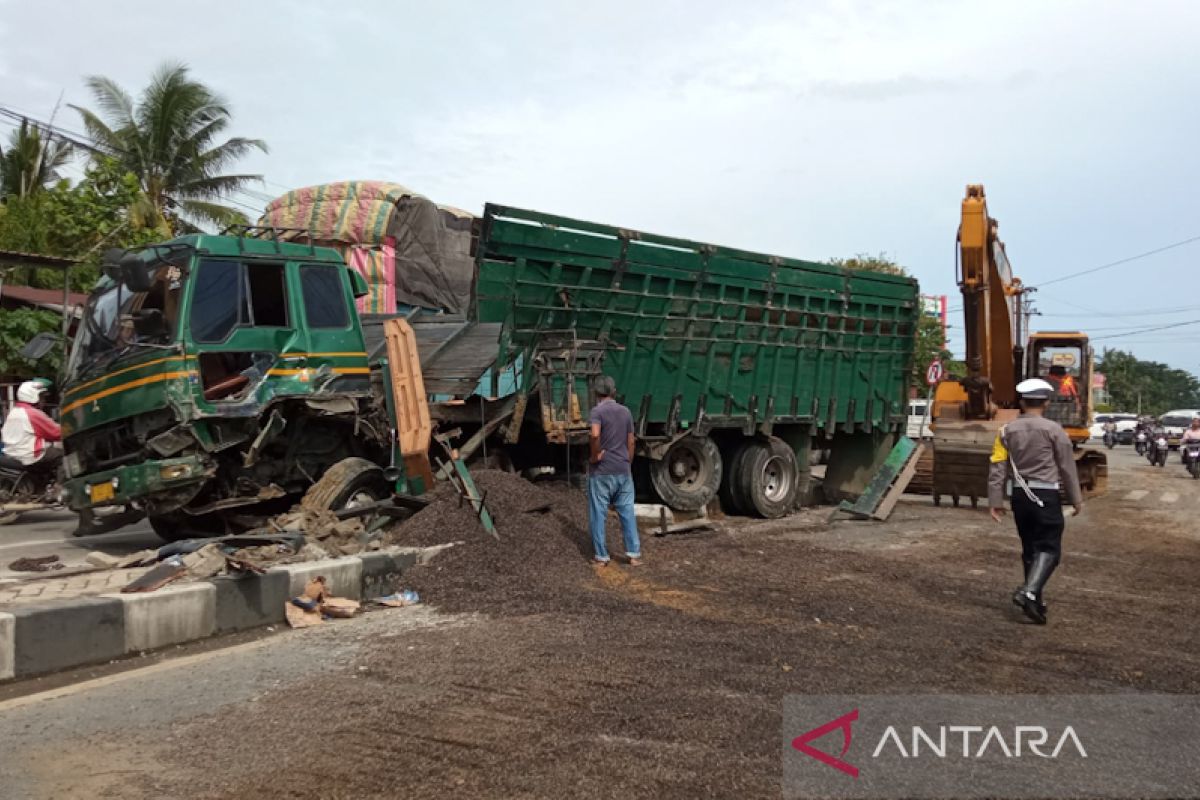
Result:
[218,376]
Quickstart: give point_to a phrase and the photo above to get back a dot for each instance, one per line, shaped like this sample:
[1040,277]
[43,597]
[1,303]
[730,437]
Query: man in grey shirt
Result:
[1035,454]
[610,481]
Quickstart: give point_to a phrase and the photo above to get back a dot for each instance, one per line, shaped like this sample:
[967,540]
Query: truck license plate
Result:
[101,492]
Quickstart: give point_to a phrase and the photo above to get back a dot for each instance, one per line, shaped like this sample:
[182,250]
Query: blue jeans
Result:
[615,491]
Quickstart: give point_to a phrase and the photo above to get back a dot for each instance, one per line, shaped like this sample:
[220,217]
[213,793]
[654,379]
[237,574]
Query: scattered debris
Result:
[316,604]
[138,559]
[205,562]
[342,607]
[399,599]
[158,576]
[41,564]
[102,560]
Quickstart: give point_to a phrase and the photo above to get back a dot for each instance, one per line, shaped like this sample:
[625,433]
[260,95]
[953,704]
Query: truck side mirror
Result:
[135,274]
[110,262]
[39,345]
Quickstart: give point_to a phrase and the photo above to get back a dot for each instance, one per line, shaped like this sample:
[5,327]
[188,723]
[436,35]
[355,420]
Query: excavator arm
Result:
[990,308]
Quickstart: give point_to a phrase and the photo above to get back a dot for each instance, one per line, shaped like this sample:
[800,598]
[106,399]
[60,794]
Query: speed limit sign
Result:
[935,372]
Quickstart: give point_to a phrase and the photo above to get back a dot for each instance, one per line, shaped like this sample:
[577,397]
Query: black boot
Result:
[1029,596]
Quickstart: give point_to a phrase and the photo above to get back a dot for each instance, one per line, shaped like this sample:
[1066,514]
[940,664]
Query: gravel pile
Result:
[543,545]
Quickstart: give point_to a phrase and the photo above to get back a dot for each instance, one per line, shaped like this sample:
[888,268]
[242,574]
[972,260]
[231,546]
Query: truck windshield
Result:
[117,321]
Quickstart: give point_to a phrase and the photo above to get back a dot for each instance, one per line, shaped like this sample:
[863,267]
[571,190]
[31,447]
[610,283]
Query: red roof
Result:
[43,298]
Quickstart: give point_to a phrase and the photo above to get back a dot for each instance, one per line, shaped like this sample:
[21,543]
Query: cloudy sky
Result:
[810,129]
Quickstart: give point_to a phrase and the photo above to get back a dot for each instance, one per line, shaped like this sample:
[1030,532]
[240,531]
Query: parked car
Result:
[1126,423]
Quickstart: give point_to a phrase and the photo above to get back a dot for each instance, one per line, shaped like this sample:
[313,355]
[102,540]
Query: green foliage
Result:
[1160,386]
[931,341]
[79,221]
[30,162]
[169,141]
[16,328]
[879,263]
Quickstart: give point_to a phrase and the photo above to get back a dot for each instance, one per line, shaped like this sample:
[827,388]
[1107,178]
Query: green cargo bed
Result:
[698,334]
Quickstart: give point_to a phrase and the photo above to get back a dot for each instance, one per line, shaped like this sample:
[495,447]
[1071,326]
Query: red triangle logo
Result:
[843,722]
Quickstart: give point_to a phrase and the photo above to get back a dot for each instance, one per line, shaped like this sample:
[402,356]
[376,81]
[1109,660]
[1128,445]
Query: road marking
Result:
[1169,497]
[1136,494]
[121,677]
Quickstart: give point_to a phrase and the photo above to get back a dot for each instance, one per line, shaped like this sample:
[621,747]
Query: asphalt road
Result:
[45,533]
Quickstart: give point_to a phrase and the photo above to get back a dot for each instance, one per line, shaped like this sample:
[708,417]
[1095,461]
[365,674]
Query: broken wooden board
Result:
[889,482]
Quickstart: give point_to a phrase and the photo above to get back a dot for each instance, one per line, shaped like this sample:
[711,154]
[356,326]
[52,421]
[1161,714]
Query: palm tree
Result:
[31,161]
[168,140]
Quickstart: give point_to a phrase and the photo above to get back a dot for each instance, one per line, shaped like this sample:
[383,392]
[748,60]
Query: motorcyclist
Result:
[1192,434]
[1110,430]
[29,434]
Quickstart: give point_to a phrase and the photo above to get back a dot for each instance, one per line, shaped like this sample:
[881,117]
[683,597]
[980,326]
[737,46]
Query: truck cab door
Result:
[240,323]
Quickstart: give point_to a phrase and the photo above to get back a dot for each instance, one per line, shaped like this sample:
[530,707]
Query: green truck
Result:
[219,378]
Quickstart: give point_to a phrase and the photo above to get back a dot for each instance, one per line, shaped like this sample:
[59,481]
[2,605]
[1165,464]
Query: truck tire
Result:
[688,476]
[177,526]
[732,501]
[350,482]
[764,478]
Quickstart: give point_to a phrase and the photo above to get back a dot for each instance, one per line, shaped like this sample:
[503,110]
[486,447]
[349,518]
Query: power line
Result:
[1118,263]
[1148,330]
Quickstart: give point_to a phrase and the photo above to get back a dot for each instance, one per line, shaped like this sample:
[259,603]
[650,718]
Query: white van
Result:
[918,423]
[1176,422]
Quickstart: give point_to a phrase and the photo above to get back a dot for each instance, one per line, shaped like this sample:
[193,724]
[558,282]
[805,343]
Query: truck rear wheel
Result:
[687,477]
[763,478]
[349,483]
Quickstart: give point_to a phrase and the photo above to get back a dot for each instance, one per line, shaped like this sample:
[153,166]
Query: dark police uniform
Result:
[1034,456]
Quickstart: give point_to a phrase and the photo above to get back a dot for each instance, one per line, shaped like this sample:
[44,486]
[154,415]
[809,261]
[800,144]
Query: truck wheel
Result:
[687,477]
[349,483]
[177,526]
[732,499]
[765,478]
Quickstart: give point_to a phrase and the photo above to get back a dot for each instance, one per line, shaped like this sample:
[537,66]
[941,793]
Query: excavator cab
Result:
[1064,360]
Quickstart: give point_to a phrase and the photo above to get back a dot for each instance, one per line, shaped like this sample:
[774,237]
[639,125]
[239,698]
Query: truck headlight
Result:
[174,472]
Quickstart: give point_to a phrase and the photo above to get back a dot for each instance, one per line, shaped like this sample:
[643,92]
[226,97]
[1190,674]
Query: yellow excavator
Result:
[969,410]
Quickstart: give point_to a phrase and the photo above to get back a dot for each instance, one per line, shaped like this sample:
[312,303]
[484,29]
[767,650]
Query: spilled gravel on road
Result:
[667,680]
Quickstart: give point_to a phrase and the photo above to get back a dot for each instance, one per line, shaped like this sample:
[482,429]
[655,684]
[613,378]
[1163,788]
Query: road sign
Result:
[934,373]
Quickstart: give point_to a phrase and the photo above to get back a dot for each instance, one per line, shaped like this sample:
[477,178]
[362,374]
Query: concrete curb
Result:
[58,634]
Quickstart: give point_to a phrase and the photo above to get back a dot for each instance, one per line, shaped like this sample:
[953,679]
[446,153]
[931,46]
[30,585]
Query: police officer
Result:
[1034,453]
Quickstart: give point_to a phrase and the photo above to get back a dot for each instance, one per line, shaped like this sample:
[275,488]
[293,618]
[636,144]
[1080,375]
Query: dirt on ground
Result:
[667,680]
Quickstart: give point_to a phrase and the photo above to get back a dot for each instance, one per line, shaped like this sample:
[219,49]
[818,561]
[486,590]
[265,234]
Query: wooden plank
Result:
[899,485]
[900,459]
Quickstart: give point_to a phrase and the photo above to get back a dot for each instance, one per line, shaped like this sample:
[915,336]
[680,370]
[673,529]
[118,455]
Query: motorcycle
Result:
[26,488]
[1140,443]
[1190,451]
[1110,439]
[1158,451]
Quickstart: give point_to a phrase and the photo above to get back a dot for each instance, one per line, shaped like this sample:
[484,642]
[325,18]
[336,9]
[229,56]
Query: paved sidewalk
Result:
[40,590]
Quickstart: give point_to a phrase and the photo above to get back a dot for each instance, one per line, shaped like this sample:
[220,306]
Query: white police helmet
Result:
[1035,389]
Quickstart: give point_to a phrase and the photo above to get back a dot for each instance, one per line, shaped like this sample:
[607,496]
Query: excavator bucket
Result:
[962,451]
